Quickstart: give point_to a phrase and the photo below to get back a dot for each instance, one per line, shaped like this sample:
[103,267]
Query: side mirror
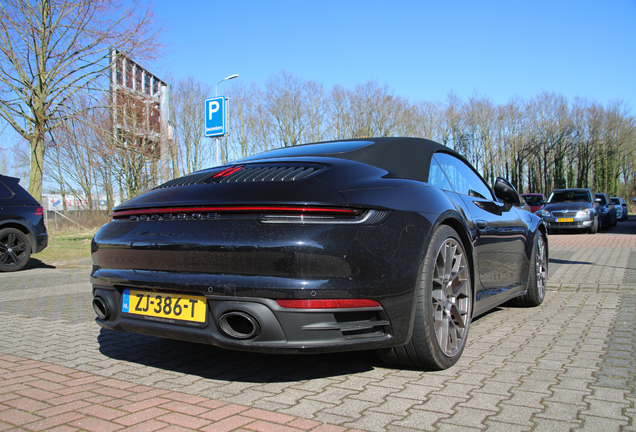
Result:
[506,192]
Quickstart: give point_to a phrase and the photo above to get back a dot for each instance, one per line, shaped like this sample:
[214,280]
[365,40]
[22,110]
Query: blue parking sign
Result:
[215,117]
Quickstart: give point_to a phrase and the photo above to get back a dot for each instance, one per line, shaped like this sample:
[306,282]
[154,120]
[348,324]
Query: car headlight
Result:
[543,213]
[584,213]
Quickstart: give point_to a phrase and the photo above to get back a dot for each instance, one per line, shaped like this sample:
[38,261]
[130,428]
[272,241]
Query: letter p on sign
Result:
[213,106]
[215,117]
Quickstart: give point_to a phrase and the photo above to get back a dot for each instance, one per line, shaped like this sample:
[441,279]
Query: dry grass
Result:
[75,222]
[66,247]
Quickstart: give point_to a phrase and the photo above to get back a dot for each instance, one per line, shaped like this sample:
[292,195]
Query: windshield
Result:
[533,199]
[569,196]
[615,201]
[602,198]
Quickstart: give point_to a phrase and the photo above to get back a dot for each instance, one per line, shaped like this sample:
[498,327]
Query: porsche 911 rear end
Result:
[263,256]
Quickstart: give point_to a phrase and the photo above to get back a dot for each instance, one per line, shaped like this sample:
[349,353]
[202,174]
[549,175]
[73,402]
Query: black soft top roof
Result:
[403,157]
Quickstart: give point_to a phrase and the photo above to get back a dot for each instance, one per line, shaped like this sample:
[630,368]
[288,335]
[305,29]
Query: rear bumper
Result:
[276,329]
[243,266]
[42,241]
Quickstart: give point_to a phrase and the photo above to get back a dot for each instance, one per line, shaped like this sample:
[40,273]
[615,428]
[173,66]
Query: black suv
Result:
[22,229]
[606,210]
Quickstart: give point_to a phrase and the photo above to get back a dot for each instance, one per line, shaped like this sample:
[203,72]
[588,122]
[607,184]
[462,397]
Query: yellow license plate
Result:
[165,307]
[565,220]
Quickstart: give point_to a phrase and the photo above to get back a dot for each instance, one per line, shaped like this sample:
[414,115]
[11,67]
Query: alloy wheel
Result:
[13,250]
[541,267]
[451,299]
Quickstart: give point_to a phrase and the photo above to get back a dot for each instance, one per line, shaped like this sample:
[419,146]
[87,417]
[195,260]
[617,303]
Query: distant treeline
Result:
[540,144]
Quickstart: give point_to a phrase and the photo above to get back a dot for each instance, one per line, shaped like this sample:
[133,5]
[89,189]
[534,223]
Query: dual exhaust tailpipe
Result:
[101,308]
[239,325]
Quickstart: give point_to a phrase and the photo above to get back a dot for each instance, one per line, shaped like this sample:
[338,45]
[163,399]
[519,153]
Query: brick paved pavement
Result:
[567,365]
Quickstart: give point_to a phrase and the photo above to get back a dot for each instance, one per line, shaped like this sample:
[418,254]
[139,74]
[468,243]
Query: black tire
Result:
[537,275]
[444,307]
[15,250]
[594,228]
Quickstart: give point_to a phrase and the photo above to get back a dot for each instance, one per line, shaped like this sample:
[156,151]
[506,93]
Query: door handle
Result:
[482,224]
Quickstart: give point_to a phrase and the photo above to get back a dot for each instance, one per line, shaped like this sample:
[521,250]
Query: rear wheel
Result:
[538,275]
[444,307]
[15,249]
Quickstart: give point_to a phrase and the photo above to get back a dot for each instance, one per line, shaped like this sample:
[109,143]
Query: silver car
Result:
[571,209]
[621,208]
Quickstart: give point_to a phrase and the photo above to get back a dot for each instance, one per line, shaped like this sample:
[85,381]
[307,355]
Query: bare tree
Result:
[451,125]
[618,141]
[479,118]
[71,160]
[369,110]
[552,136]
[286,105]
[539,144]
[245,132]
[188,119]
[315,111]
[53,49]
[514,141]
[588,123]
[262,120]
[339,112]
[426,118]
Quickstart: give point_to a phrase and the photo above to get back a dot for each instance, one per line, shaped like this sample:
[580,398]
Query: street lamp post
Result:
[216,93]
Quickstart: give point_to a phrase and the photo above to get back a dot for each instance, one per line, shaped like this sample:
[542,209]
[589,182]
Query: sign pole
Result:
[216,151]
[217,139]
[211,128]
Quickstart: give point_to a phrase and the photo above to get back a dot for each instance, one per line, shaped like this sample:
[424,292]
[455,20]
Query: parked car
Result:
[22,229]
[388,244]
[621,208]
[571,209]
[606,211]
[536,201]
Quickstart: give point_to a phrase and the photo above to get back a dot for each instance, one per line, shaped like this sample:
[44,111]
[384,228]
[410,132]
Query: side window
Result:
[462,177]
[437,178]
[5,192]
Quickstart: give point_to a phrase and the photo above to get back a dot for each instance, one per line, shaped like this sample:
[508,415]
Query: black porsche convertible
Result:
[384,244]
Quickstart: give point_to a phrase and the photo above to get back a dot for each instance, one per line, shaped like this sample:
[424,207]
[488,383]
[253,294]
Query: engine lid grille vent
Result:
[246,174]
[191,179]
[266,174]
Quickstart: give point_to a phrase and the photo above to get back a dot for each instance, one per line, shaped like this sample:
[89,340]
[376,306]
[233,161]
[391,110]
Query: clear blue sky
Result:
[420,49]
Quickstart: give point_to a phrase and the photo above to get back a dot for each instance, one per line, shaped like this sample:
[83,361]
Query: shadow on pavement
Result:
[35,263]
[215,363]
[561,261]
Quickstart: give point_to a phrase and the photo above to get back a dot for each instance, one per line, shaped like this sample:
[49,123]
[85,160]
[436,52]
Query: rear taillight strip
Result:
[234,209]
[369,217]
